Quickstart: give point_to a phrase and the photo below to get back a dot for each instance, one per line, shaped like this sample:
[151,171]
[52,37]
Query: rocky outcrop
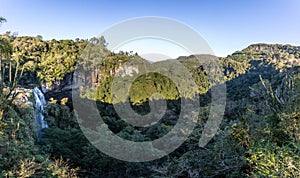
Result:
[61,89]
[125,70]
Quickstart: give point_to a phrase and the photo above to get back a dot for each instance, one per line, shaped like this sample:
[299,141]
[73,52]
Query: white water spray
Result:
[40,103]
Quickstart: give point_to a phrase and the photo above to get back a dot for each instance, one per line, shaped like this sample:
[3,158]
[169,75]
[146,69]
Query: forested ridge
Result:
[259,135]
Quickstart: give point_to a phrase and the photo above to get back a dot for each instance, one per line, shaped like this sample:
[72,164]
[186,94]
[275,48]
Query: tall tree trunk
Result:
[93,78]
[1,81]
[16,78]
[3,74]
[10,72]
[97,74]
[85,77]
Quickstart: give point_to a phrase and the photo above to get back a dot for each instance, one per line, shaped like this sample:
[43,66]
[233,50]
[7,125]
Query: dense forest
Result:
[259,135]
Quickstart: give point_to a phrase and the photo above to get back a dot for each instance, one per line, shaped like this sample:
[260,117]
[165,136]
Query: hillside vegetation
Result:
[259,135]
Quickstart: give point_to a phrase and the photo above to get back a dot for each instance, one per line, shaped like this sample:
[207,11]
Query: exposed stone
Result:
[125,70]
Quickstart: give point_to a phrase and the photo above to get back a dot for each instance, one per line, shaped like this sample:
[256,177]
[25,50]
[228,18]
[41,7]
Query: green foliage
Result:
[277,154]
[223,157]
[145,86]
[46,168]
[240,131]
[50,61]
[257,112]
[19,156]
[59,115]
[259,136]
[92,162]
[269,160]
[58,60]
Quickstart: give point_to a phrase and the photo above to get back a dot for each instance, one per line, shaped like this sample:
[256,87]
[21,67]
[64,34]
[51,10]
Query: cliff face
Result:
[125,70]
[61,89]
[256,58]
[262,47]
[282,55]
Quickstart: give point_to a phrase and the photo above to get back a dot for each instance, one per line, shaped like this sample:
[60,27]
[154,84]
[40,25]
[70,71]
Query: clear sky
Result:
[227,25]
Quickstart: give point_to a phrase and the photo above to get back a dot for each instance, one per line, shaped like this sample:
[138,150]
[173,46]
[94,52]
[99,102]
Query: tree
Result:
[5,49]
[39,37]
[93,57]
[5,52]
[2,20]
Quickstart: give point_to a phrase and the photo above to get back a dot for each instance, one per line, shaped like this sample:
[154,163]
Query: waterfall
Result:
[40,103]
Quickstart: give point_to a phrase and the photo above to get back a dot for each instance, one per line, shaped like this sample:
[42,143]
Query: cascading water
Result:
[40,103]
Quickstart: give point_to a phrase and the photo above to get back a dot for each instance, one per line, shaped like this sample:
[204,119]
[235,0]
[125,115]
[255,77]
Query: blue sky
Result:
[227,25]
